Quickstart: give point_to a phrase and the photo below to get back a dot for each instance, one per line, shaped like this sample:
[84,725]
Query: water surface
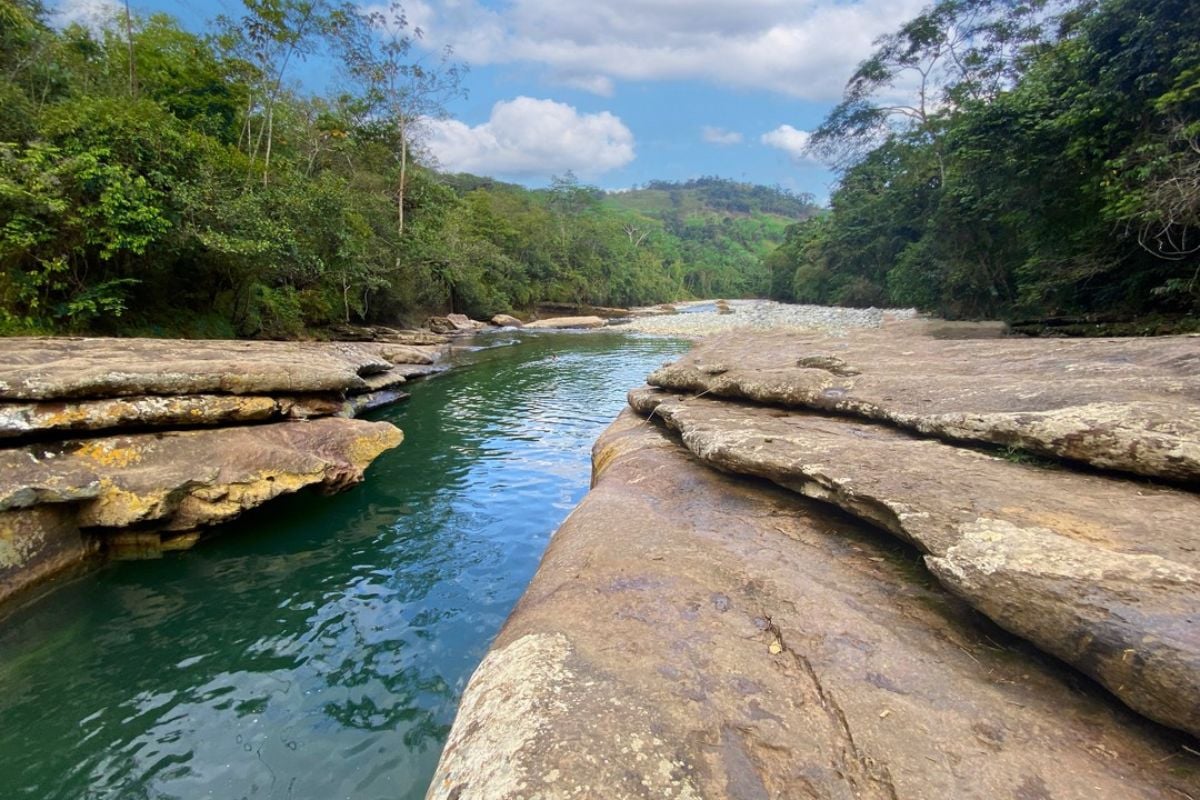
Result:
[318,649]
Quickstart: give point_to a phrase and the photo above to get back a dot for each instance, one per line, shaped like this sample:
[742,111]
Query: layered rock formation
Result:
[1123,404]
[182,435]
[695,631]
[692,635]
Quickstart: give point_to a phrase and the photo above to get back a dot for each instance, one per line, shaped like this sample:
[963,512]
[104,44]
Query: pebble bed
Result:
[763,315]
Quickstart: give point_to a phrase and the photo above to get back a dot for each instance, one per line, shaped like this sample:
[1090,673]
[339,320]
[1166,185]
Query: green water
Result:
[319,648]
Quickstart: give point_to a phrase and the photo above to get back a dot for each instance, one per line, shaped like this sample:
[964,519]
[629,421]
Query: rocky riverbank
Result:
[951,535]
[133,447]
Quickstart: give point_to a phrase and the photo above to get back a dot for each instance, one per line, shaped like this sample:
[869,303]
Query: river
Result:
[318,648]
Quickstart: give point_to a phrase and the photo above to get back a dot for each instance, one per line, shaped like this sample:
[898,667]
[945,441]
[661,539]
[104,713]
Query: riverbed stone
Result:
[507,321]
[66,368]
[179,481]
[1100,571]
[1122,404]
[695,635]
[567,322]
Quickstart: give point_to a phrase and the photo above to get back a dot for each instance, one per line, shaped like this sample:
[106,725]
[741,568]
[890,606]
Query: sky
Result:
[622,92]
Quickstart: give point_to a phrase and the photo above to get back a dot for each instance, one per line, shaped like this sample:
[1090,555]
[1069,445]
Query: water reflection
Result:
[319,649]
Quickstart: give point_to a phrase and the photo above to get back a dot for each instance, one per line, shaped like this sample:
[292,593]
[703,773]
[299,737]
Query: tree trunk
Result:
[270,135]
[403,181]
[133,86]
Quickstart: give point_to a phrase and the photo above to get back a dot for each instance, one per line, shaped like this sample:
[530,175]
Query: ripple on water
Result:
[319,649]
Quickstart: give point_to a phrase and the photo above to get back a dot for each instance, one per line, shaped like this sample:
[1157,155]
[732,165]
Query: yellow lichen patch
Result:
[116,507]
[107,454]
[365,449]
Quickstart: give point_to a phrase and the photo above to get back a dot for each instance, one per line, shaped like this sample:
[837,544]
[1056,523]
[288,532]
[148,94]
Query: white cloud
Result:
[801,48]
[790,140]
[94,14]
[596,84]
[526,137]
[714,135]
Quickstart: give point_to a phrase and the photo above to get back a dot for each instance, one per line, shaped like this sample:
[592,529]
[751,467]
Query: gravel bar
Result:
[763,315]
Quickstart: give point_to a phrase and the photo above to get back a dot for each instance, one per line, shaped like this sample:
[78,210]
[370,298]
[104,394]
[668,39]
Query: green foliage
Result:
[1057,171]
[190,192]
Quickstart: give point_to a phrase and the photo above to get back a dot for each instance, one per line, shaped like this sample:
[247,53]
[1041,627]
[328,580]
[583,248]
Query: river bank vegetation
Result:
[157,181]
[1047,163]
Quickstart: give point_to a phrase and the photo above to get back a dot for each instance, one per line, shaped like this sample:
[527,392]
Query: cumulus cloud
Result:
[802,48]
[526,137]
[714,135]
[790,140]
[93,14]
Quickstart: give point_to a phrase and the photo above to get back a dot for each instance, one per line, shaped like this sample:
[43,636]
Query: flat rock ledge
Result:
[1102,572]
[1131,405]
[130,447]
[691,634]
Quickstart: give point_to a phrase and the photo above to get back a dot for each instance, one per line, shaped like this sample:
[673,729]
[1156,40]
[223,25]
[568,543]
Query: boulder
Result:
[567,322]
[464,323]
[506,321]
[1120,404]
[63,368]
[169,482]
[690,634]
[1102,572]
[441,325]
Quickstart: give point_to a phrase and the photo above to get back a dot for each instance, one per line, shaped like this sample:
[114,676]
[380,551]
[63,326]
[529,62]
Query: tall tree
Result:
[377,46]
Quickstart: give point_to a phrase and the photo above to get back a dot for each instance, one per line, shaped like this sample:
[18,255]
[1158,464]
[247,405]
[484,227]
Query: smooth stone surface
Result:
[1102,572]
[464,323]
[693,635]
[1122,404]
[567,322]
[507,321]
[60,368]
[176,481]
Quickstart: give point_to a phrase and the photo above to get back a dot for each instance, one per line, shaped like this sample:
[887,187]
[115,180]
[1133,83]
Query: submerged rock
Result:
[1122,404]
[177,481]
[692,635]
[567,322]
[1102,572]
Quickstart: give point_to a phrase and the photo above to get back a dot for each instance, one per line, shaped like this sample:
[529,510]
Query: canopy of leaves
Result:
[1049,166]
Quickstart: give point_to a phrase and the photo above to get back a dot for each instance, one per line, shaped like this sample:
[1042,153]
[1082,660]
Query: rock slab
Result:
[1102,572]
[54,496]
[1122,404]
[693,635]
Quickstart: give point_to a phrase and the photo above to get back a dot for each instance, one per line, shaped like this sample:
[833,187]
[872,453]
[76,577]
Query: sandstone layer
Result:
[165,483]
[1100,571]
[228,434]
[61,387]
[691,635]
[1119,404]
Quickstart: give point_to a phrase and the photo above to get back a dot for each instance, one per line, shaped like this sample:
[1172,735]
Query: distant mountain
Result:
[714,198]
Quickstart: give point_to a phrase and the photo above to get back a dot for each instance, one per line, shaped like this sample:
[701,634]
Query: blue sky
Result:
[626,91]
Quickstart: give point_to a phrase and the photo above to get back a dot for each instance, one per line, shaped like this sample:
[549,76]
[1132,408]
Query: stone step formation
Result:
[877,565]
[133,447]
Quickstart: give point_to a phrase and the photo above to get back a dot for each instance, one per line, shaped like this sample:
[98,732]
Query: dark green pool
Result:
[319,648]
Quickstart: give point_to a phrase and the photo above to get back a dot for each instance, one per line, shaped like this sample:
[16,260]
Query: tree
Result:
[376,46]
